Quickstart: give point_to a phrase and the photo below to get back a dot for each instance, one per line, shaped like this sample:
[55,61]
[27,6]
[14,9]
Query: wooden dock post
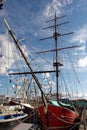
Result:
[83,124]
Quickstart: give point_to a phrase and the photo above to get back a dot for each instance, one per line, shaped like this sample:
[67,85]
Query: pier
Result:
[83,124]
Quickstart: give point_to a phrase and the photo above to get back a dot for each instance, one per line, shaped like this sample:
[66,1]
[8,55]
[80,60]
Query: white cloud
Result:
[6,53]
[53,7]
[51,85]
[81,38]
[82,48]
[82,62]
[46,75]
[80,35]
[9,54]
[65,2]
[25,50]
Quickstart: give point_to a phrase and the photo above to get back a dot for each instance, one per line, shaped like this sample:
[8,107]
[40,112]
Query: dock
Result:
[31,126]
[83,124]
[82,127]
[26,126]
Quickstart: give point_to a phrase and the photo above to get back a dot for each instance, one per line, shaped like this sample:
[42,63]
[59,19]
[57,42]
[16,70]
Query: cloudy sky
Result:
[27,18]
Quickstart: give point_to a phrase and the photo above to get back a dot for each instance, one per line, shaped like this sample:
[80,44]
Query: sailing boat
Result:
[25,107]
[10,116]
[51,116]
[58,116]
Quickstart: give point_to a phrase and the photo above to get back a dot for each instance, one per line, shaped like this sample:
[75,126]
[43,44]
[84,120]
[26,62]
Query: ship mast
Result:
[28,64]
[56,34]
[56,64]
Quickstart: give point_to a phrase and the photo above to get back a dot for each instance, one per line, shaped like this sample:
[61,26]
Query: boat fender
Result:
[45,110]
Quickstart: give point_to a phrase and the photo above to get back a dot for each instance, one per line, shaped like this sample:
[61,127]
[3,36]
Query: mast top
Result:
[55,18]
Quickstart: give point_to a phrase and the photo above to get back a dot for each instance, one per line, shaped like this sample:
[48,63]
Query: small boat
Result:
[25,107]
[12,117]
[9,116]
[57,117]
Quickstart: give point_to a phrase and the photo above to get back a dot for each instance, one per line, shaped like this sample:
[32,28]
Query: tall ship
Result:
[57,116]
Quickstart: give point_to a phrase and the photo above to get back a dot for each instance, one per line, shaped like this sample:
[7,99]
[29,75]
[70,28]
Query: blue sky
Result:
[27,18]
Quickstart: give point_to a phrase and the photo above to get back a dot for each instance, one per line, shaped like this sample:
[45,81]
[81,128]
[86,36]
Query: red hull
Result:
[57,117]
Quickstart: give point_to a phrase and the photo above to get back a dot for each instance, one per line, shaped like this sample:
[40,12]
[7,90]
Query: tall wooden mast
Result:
[56,34]
[28,64]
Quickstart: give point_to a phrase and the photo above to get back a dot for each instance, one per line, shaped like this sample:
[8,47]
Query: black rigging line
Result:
[75,71]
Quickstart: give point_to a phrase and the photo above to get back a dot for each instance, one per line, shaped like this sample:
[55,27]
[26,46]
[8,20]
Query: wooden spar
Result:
[59,49]
[35,72]
[55,25]
[56,18]
[32,72]
[57,35]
